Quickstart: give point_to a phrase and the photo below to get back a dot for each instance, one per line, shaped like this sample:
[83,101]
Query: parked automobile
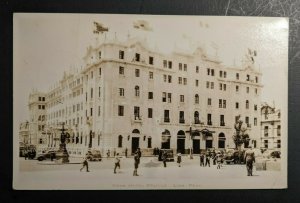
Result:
[46,155]
[272,154]
[234,156]
[27,150]
[94,155]
[170,154]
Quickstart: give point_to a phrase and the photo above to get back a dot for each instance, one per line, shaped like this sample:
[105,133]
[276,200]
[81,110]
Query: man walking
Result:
[249,158]
[108,154]
[201,159]
[85,164]
[207,159]
[117,163]
[179,159]
[136,163]
[164,158]
[126,151]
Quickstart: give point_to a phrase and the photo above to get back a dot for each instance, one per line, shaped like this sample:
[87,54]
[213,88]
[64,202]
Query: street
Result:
[152,175]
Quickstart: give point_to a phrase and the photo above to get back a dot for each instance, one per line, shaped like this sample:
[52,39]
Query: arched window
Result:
[196,117]
[136,131]
[149,142]
[221,140]
[120,140]
[137,91]
[247,104]
[196,99]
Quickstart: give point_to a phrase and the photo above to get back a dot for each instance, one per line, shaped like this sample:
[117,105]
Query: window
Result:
[211,85]
[121,70]
[255,91]
[208,71]
[224,104]
[120,140]
[165,62]
[212,72]
[196,117]
[179,80]
[169,79]
[222,121]
[237,76]
[151,60]
[256,79]
[255,107]
[207,84]
[209,119]
[165,78]
[221,86]
[247,89]
[221,73]
[266,143]
[121,54]
[220,103]
[278,143]
[266,131]
[91,93]
[40,106]
[164,96]
[150,111]
[150,95]
[137,57]
[278,130]
[40,98]
[180,66]
[247,120]
[91,112]
[247,104]
[236,105]
[197,83]
[181,116]
[184,67]
[225,74]
[149,143]
[184,81]
[197,69]
[170,64]
[224,87]
[166,116]
[120,110]
[92,74]
[99,111]
[137,91]
[150,75]
[43,106]
[237,88]
[181,98]
[99,54]
[169,97]
[121,92]
[137,72]
[248,78]
[196,99]
[209,101]
[99,91]
[255,121]
[136,112]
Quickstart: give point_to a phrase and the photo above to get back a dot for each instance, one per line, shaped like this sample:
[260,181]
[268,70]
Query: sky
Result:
[46,45]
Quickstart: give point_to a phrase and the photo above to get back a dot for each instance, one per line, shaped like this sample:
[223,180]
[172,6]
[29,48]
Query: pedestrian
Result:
[249,158]
[164,158]
[85,164]
[115,152]
[207,159]
[219,160]
[179,159]
[25,154]
[108,154]
[136,163]
[126,151]
[139,152]
[117,163]
[51,156]
[201,159]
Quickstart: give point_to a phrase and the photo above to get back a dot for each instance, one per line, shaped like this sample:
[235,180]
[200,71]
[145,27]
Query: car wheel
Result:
[40,159]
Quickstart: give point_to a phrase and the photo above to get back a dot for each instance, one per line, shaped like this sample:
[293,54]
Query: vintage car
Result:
[94,155]
[272,154]
[234,156]
[170,154]
[46,155]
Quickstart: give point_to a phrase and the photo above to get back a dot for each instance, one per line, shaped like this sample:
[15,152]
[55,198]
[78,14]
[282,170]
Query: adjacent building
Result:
[129,96]
[270,127]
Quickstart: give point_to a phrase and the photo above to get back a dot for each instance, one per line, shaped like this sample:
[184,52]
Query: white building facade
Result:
[128,96]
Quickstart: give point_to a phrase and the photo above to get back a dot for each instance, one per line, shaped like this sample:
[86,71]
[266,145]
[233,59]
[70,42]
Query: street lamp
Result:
[62,153]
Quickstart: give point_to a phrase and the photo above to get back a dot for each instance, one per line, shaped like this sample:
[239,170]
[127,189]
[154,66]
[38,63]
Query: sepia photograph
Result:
[149,102]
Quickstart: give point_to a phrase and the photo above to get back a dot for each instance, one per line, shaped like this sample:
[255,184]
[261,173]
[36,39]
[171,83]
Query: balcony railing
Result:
[167,120]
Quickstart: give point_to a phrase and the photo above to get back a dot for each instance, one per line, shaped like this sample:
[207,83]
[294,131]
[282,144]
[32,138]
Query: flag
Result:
[142,25]
[99,28]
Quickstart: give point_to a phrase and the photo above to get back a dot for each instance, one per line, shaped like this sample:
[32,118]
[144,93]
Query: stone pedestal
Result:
[62,154]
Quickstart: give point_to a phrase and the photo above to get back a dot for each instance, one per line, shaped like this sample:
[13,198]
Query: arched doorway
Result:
[221,141]
[181,142]
[135,140]
[196,143]
[165,139]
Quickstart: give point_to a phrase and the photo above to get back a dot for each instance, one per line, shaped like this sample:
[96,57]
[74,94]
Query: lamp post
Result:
[62,153]
[191,140]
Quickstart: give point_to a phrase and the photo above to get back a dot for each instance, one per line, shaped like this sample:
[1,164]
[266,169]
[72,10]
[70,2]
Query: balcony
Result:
[181,120]
[222,123]
[209,123]
[167,120]
[137,118]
